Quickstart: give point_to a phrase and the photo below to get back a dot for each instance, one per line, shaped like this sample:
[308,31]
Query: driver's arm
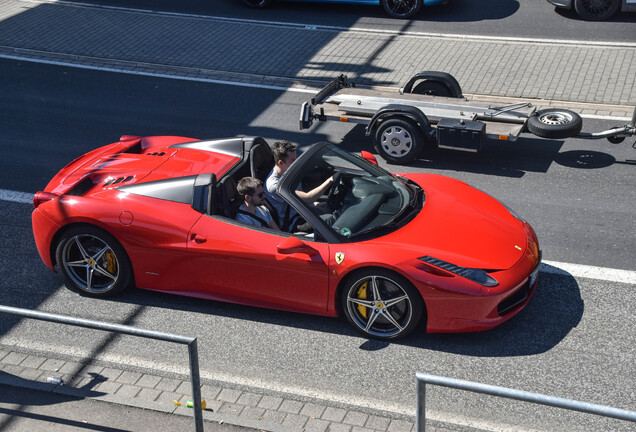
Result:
[316,192]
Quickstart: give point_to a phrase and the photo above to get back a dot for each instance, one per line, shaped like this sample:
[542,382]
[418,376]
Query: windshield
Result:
[361,197]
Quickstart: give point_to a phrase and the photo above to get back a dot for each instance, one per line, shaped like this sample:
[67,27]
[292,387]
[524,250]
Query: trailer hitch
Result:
[615,135]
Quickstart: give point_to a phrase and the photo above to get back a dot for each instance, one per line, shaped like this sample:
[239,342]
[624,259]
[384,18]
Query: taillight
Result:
[41,197]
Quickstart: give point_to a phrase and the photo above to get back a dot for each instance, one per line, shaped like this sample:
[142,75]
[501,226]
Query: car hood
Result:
[462,225]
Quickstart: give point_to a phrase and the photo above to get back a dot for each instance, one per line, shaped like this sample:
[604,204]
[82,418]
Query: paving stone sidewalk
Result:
[202,46]
[249,408]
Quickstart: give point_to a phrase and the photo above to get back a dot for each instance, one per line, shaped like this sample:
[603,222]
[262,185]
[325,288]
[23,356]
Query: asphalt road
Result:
[494,18]
[575,339]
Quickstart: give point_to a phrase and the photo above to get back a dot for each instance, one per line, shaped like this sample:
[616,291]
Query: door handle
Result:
[198,238]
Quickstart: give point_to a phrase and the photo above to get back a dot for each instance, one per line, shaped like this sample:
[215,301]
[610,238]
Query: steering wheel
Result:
[332,191]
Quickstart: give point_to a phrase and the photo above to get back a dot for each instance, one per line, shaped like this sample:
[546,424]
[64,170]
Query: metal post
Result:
[420,415]
[196,385]
[132,331]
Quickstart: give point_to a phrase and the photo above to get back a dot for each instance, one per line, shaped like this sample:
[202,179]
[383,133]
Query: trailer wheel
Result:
[433,88]
[596,10]
[555,123]
[257,4]
[402,8]
[399,140]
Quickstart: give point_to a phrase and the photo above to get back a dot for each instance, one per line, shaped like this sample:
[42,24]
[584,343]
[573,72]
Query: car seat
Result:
[261,159]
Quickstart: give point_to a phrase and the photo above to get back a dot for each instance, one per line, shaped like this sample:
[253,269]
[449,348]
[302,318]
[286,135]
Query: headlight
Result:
[476,275]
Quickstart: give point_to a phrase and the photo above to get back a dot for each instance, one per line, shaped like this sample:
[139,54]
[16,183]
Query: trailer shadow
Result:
[500,158]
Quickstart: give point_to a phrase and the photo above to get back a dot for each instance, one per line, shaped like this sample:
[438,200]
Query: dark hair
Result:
[281,148]
[248,185]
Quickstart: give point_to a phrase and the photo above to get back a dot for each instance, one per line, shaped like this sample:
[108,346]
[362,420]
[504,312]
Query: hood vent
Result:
[156,154]
[118,180]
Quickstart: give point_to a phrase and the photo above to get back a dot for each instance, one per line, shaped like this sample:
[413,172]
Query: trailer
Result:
[431,111]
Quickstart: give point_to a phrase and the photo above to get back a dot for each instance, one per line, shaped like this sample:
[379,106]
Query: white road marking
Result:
[554,267]
[319,27]
[19,197]
[166,75]
[589,272]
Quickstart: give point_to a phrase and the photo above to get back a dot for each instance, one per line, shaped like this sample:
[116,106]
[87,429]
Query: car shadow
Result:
[555,309]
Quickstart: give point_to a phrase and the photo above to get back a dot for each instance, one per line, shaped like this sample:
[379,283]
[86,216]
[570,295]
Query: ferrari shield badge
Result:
[340,257]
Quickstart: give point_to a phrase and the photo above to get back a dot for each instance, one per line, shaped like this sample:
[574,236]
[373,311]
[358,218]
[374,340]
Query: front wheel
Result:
[555,123]
[93,261]
[596,10]
[381,304]
[402,8]
[399,140]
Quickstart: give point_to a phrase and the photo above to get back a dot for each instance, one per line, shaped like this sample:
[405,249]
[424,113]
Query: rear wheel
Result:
[402,8]
[93,261]
[596,10]
[555,123]
[399,140]
[381,304]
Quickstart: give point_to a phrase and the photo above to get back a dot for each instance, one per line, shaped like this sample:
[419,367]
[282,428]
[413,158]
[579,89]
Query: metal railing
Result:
[191,342]
[423,379]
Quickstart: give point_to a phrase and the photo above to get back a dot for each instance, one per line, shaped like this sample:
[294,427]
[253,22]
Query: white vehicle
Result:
[430,111]
[596,10]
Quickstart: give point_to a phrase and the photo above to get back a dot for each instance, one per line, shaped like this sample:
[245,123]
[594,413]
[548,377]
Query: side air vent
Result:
[81,188]
[156,154]
[118,180]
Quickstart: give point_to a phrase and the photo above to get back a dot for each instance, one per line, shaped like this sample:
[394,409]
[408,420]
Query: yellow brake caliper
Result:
[362,295]
[111,262]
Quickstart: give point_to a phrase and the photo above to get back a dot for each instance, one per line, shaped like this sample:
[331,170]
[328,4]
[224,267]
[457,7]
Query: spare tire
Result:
[555,123]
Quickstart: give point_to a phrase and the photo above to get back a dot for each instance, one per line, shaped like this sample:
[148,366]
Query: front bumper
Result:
[465,312]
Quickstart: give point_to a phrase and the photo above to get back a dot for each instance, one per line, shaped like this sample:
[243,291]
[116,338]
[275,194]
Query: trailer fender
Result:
[397,110]
[445,79]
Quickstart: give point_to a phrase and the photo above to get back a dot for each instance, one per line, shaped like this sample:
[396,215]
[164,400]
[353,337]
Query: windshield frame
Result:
[292,177]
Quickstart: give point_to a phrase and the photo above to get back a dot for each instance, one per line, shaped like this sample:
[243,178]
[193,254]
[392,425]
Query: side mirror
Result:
[293,245]
[368,156]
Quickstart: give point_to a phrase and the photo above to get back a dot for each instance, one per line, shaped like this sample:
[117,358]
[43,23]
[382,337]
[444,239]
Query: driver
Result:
[289,219]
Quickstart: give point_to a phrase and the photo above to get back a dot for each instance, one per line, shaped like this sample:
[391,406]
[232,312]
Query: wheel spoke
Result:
[81,248]
[392,320]
[100,253]
[89,277]
[105,272]
[372,318]
[361,302]
[395,301]
[81,263]
[375,289]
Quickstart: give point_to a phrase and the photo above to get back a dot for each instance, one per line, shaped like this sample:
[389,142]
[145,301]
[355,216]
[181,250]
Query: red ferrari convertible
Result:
[159,213]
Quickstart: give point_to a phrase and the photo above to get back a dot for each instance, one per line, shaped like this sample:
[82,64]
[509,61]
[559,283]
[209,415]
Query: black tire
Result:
[400,140]
[402,8]
[596,10]
[555,123]
[93,262]
[433,88]
[381,304]
[257,4]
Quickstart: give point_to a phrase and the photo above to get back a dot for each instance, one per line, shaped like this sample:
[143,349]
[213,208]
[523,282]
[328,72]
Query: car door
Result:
[260,267]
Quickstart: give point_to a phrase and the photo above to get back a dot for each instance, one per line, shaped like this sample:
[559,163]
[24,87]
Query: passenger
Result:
[253,211]
[289,219]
